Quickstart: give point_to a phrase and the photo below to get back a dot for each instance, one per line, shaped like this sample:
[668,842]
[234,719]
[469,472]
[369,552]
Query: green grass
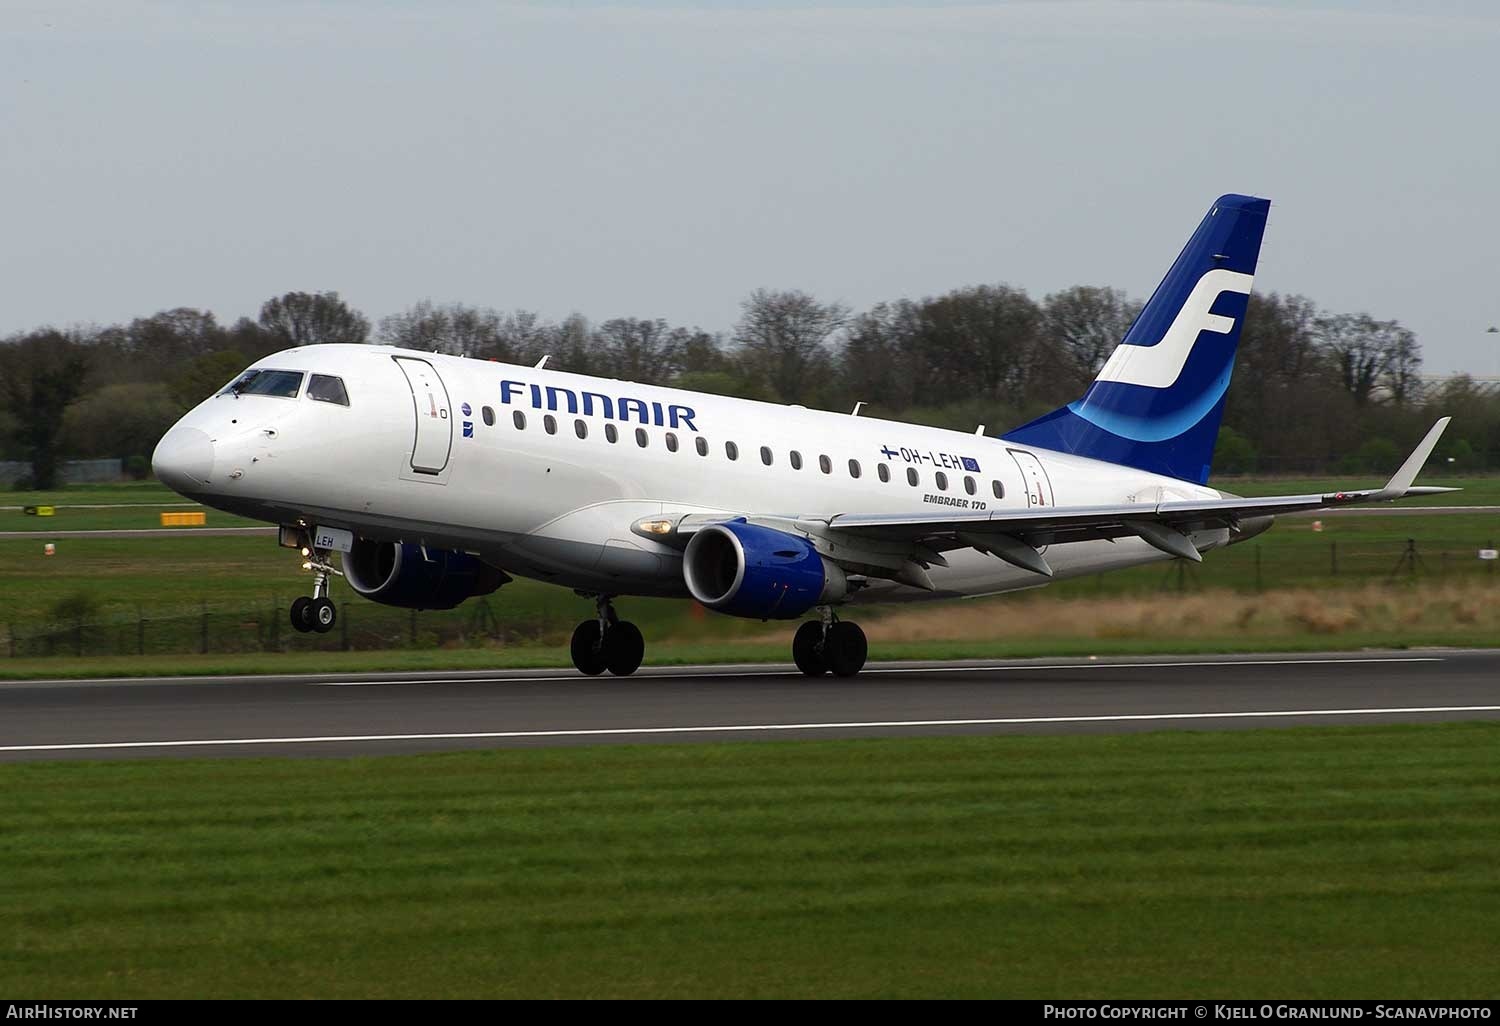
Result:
[1320,862]
[119,519]
[122,492]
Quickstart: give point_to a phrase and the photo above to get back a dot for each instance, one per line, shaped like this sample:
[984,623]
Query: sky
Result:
[665,159]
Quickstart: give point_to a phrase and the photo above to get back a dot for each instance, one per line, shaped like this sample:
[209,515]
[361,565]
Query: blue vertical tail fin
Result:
[1158,399]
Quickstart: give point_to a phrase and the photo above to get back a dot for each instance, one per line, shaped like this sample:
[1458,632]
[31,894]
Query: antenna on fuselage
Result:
[543,361]
[979,430]
[855,412]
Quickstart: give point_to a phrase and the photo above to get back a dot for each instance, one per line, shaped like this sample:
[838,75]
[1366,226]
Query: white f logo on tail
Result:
[1159,366]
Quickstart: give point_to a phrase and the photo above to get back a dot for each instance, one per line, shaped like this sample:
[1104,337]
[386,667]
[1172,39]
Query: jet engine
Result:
[416,577]
[760,573]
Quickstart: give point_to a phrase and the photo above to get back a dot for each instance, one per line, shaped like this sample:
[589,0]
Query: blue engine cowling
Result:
[416,577]
[745,570]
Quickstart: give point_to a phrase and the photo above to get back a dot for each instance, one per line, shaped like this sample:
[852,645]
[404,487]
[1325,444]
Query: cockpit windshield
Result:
[257,381]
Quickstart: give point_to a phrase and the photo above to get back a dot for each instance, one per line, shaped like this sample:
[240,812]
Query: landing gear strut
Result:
[607,643]
[317,613]
[829,645]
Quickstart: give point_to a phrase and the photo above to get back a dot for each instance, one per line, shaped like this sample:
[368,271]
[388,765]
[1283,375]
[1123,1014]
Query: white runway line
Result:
[745,728]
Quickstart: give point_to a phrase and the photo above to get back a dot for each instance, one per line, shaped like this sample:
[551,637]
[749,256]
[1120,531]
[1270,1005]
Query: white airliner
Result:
[438,477]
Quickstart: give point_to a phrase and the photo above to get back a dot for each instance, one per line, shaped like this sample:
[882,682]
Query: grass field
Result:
[1318,862]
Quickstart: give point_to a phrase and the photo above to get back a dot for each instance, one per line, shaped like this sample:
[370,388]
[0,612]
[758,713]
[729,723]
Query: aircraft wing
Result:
[907,544]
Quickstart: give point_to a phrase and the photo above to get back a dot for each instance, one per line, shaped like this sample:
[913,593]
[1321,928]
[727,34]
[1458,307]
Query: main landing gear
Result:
[317,613]
[607,643]
[829,645]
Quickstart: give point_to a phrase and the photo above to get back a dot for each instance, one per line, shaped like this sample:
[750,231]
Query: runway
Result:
[377,714]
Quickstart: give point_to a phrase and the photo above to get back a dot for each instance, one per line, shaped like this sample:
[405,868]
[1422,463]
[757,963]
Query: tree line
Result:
[1313,391]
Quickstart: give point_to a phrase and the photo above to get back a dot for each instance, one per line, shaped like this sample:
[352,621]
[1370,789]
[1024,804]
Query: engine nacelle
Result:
[745,570]
[416,577]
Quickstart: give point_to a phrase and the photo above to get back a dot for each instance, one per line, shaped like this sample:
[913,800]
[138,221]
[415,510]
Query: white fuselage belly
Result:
[559,508]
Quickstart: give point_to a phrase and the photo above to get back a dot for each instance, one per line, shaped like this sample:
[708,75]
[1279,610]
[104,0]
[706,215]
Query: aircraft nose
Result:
[184,459]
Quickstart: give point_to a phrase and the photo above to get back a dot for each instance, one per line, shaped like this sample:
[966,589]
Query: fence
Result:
[265,628]
[1301,561]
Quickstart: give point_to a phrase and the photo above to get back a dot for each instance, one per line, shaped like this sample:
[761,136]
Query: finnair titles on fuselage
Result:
[437,478]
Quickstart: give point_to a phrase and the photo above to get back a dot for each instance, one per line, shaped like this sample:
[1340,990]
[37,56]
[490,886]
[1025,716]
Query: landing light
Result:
[657,526]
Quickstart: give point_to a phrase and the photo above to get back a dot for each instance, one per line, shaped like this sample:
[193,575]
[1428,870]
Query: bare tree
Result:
[784,340]
[1369,354]
[1403,363]
[982,342]
[313,318]
[637,349]
[452,328]
[1086,322]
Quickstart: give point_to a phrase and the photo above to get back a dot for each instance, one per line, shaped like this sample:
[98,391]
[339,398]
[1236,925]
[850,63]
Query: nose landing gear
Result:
[607,643]
[317,613]
[829,645]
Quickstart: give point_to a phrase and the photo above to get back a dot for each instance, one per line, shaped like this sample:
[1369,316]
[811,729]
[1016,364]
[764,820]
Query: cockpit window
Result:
[326,388]
[266,382]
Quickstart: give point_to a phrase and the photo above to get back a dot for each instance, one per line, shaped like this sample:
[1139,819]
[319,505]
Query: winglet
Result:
[1401,481]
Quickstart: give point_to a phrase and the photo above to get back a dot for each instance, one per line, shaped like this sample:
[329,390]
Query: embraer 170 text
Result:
[437,478]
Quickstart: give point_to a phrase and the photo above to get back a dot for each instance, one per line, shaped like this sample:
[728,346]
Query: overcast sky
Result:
[664,159]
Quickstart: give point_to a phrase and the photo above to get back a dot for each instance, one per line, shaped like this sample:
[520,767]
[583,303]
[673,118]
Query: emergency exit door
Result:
[434,439]
[1038,484]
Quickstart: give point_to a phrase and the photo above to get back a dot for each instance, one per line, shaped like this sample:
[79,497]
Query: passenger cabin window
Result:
[942,481]
[998,489]
[671,441]
[702,444]
[327,389]
[731,450]
[796,460]
[969,485]
[854,468]
[911,477]
[884,472]
[611,435]
[825,464]
[550,423]
[519,420]
[489,416]
[640,437]
[765,455]
[280,383]
[581,428]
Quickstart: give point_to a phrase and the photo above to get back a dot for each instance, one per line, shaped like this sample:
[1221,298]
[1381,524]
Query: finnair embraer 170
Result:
[438,477]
